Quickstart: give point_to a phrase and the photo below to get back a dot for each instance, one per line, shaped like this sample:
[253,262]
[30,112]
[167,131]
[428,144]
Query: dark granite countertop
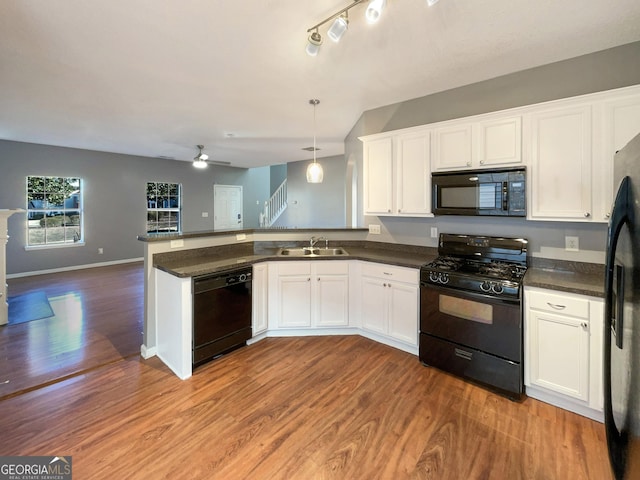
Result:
[204,261]
[572,277]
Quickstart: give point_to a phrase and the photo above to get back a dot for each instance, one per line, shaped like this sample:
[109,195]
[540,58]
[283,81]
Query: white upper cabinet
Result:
[572,150]
[413,188]
[500,142]
[378,176]
[484,143]
[397,174]
[453,147]
[620,122]
[560,173]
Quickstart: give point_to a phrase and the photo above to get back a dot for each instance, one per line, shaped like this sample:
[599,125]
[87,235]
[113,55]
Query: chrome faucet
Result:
[314,240]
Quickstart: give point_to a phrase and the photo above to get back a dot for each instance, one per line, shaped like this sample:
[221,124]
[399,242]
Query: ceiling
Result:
[155,78]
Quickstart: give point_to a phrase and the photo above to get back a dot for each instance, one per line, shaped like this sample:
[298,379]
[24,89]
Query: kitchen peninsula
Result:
[171,261]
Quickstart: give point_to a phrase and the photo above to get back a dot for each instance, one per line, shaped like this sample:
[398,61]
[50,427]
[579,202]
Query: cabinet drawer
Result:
[389,272]
[294,268]
[558,303]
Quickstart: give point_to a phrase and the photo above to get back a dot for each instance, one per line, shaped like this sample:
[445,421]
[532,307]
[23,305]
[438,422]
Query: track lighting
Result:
[335,32]
[341,23]
[315,173]
[200,160]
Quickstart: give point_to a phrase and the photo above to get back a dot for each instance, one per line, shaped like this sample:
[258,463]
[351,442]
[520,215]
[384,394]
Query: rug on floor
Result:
[28,307]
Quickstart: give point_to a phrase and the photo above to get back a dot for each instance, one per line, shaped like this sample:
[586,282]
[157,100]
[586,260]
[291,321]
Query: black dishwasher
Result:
[221,313]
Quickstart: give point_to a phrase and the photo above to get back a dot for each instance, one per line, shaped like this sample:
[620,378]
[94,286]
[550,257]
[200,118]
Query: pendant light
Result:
[314,170]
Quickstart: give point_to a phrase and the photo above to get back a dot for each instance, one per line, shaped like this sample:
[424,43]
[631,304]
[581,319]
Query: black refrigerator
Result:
[622,318]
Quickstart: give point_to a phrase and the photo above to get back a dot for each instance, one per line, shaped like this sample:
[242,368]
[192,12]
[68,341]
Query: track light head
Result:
[313,44]
[374,10]
[338,27]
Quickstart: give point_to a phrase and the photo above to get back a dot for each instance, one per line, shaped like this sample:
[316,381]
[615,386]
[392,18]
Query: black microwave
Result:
[496,192]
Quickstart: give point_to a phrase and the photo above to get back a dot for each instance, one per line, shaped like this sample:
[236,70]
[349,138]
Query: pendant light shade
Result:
[314,173]
[314,170]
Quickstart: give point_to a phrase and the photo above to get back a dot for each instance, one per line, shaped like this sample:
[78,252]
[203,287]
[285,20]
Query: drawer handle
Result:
[556,306]
[463,354]
[584,325]
[387,273]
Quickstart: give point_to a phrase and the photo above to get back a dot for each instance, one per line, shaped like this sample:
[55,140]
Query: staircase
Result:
[274,207]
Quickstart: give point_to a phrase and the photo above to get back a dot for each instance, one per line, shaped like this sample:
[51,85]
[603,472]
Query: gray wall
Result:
[315,204]
[114,199]
[605,70]
[277,175]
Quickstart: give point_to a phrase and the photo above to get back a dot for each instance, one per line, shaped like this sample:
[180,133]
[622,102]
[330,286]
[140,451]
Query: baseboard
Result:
[559,401]
[148,352]
[74,267]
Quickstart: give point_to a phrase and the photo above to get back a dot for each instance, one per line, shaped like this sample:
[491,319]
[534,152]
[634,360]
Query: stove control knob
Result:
[496,288]
[485,286]
[433,276]
[444,278]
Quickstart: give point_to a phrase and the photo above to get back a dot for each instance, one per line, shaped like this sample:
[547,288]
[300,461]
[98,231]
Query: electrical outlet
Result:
[176,243]
[572,244]
[205,214]
[434,232]
[100,250]
[375,229]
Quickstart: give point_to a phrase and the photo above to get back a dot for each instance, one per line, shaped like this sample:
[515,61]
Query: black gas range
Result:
[489,265]
[470,310]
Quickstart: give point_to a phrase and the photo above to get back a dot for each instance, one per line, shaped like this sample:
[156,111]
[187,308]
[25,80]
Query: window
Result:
[54,211]
[163,207]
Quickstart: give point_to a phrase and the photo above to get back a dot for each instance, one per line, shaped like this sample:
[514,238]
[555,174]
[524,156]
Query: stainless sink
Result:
[312,252]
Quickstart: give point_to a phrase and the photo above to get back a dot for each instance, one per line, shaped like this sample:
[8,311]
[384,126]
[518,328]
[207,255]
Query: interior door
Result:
[227,207]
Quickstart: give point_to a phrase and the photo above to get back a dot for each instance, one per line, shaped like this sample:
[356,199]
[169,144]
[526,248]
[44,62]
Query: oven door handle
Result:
[471,295]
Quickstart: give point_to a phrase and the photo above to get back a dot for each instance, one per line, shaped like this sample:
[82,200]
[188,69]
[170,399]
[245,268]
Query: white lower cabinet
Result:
[309,294]
[563,350]
[389,301]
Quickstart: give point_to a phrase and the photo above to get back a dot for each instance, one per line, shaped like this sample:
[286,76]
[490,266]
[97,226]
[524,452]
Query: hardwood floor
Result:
[298,408]
[283,408]
[98,320]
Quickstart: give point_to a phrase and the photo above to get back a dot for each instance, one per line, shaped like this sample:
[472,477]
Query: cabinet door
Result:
[378,177]
[331,301]
[559,355]
[403,312]
[561,165]
[374,305]
[294,298]
[621,123]
[414,174]
[452,147]
[259,298]
[500,142]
